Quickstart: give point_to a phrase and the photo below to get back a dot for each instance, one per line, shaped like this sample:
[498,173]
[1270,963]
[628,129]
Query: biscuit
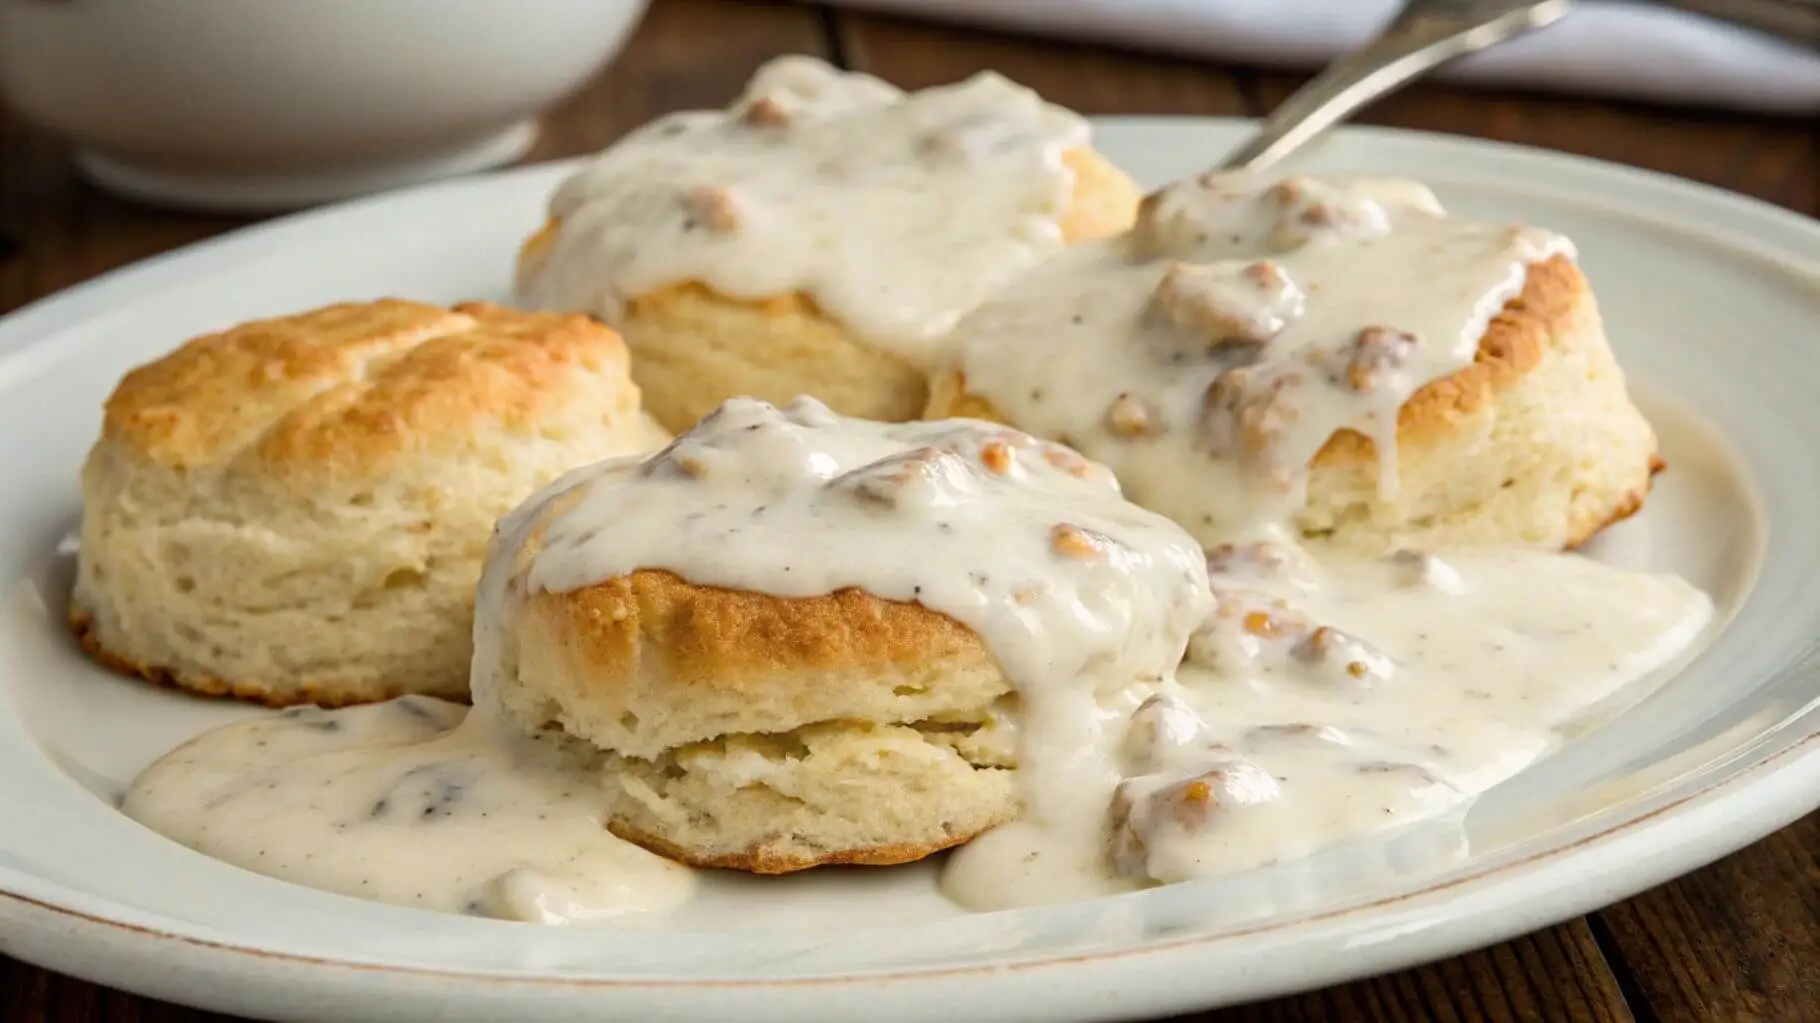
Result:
[772,734]
[1531,441]
[1536,444]
[732,634]
[777,276]
[295,510]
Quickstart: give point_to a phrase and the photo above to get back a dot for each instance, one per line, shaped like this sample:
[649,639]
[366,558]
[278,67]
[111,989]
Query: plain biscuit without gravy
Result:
[296,510]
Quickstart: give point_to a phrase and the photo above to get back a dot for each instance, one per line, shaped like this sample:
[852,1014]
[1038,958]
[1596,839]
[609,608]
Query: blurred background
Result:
[228,108]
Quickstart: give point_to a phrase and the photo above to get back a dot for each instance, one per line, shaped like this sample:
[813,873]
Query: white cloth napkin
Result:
[1630,50]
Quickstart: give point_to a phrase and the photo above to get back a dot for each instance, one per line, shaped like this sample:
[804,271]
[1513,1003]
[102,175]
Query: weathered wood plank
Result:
[1772,158]
[1091,80]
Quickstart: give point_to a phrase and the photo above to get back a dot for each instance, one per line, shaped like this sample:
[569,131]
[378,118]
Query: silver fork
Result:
[1423,36]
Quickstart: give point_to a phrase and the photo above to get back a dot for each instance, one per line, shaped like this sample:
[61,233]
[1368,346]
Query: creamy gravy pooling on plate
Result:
[1207,356]
[896,212]
[1323,701]
[414,801]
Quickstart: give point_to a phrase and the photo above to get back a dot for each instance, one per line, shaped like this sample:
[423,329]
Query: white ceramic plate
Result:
[1712,302]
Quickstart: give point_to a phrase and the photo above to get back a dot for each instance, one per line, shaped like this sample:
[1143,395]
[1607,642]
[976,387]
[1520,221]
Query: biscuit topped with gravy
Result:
[820,236]
[792,638]
[1333,354]
[295,510]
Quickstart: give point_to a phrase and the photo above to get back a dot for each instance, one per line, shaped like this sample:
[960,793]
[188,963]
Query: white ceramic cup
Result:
[267,104]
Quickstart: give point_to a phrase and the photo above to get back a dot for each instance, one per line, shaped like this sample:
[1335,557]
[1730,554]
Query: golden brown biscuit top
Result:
[354,386]
[894,212]
[1076,593]
[1210,355]
[1514,343]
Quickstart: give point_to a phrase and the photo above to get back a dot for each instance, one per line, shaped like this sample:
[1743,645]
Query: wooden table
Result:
[1739,940]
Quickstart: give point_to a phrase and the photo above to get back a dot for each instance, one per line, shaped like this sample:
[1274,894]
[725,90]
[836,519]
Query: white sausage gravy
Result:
[896,212]
[1238,327]
[1085,600]
[416,802]
[1322,701]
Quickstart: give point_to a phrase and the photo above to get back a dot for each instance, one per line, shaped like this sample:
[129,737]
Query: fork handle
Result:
[1424,35]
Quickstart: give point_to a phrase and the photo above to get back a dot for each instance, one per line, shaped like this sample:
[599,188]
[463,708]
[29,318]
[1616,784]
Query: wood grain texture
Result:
[687,54]
[1775,159]
[1737,941]
[56,231]
[30,995]
[1557,974]
[1087,79]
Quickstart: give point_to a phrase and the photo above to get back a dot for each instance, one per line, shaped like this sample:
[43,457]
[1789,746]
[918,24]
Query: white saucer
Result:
[1711,301]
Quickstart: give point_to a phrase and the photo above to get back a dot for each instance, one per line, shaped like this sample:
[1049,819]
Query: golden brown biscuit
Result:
[295,510]
[734,633]
[1332,354]
[819,236]
[704,694]
[767,734]
[1536,443]
[693,347]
